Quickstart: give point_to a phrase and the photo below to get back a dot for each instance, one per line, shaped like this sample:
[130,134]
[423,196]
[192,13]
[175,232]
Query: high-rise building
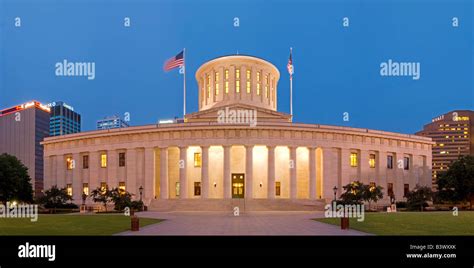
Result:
[111,122]
[22,128]
[452,133]
[64,120]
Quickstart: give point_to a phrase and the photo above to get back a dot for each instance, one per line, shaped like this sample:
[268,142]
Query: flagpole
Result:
[184,83]
[291,87]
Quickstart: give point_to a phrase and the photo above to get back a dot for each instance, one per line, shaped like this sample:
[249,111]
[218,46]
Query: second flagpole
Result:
[184,83]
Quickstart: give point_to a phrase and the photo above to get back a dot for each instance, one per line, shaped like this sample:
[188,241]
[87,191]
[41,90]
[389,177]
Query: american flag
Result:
[290,66]
[174,62]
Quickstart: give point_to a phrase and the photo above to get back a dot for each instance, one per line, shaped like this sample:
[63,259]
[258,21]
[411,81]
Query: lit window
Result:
[103,187]
[353,159]
[258,83]
[176,188]
[216,81]
[103,160]
[226,81]
[85,188]
[69,163]
[122,186]
[226,74]
[69,189]
[248,81]
[372,160]
[237,80]
[277,188]
[121,159]
[197,160]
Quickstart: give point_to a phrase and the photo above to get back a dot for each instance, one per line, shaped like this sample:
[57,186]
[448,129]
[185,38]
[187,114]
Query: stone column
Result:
[183,189]
[77,179]
[312,172]
[131,165]
[293,182]
[112,167]
[205,171]
[227,175]
[149,185]
[364,167]
[164,190]
[271,172]
[61,166]
[249,171]
[48,174]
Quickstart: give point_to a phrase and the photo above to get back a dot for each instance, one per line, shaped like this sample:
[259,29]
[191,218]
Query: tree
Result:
[418,198]
[372,193]
[121,199]
[353,193]
[56,198]
[102,195]
[457,183]
[15,183]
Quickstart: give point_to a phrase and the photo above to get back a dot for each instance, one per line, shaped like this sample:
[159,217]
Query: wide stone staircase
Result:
[242,204]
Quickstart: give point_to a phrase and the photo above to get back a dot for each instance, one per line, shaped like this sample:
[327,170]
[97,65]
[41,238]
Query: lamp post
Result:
[141,192]
[335,192]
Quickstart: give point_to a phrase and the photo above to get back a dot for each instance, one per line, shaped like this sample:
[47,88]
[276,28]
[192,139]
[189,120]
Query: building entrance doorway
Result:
[238,183]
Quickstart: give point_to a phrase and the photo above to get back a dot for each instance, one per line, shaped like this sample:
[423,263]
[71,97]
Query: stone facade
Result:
[200,158]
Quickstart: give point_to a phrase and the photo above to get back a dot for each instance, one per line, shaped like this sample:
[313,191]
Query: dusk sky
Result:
[337,69]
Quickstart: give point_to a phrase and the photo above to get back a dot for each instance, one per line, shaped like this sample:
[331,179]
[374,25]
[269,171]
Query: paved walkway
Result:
[248,223]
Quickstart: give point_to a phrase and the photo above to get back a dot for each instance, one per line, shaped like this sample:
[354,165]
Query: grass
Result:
[69,225]
[412,223]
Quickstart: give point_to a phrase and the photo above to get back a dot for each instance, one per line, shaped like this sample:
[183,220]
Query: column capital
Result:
[271,147]
[249,146]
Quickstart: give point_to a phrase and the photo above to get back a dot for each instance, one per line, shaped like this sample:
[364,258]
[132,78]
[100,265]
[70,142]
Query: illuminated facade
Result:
[452,134]
[207,158]
[22,128]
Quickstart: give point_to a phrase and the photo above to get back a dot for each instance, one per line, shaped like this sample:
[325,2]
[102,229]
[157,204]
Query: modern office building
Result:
[111,122]
[452,134]
[237,147]
[64,120]
[22,128]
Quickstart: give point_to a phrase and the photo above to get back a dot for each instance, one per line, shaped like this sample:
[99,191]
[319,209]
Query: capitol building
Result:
[237,146]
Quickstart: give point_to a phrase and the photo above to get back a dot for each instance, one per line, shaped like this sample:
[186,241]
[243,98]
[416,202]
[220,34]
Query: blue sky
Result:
[337,69]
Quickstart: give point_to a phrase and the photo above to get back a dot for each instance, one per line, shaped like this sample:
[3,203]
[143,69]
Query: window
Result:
[85,161]
[372,160]
[226,81]
[406,189]
[249,79]
[176,188]
[406,163]
[208,86]
[69,163]
[122,186]
[267,94]
[216,82]
[389,162]
[121,159]
[103,187]
[197,160]
[103,160]
[85,188]
[258,83]
[353,159]
[277,188]
[237,80]
[69,189]
[197,188]
[390,189]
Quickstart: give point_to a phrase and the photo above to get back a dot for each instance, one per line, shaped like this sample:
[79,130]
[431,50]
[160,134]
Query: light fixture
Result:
[215,184]
[335,192]
[261,184]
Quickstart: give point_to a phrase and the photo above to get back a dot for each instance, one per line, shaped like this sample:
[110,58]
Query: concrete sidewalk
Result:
[248,223]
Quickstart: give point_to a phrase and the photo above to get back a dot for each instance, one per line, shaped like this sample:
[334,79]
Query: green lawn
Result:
[413,223]
[69,225]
